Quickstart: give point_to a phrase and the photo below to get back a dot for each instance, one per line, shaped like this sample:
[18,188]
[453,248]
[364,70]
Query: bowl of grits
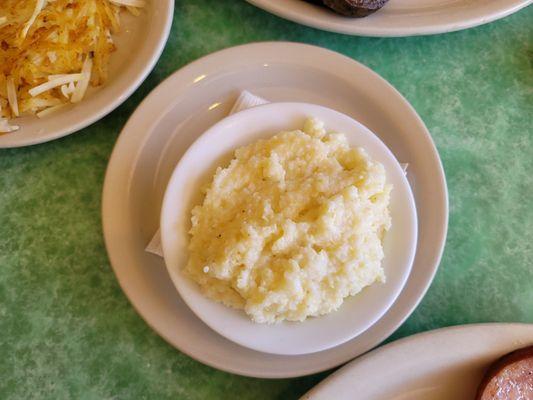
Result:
[288,228]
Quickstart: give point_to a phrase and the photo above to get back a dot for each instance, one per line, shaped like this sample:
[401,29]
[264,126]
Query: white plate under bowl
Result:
[138,49]
[443,364]
[196,168]
[195,98]
[398,17]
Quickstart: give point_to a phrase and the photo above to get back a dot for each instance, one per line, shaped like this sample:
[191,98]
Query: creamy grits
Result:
[291,227]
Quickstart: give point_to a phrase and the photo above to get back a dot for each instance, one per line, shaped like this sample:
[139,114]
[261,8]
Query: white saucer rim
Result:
[187,71]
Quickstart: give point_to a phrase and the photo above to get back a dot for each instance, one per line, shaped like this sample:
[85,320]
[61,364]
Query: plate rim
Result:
[453,26]
[113,171]
[114,103]
[446,331]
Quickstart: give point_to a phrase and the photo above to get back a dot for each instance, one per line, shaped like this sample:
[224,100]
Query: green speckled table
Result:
[67,330]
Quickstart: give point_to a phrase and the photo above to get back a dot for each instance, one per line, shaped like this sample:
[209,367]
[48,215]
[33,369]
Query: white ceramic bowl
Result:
[214,148]
[138,49]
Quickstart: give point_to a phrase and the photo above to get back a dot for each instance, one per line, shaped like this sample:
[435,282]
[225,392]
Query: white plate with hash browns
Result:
[77,76]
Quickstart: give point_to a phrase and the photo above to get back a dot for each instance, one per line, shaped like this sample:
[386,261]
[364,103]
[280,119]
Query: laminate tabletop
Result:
[68,332]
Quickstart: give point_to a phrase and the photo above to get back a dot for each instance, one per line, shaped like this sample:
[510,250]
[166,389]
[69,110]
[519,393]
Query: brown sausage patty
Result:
[352,8]
[509,378]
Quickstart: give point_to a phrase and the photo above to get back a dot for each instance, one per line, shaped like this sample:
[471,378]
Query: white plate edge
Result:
[393,32]
[109,185]
[338,375]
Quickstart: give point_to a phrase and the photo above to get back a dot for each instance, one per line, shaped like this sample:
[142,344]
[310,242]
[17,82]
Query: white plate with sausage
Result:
[396,17]
[443,364]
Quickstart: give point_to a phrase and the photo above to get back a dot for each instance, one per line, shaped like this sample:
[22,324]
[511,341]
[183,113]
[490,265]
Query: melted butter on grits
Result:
[291,227]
